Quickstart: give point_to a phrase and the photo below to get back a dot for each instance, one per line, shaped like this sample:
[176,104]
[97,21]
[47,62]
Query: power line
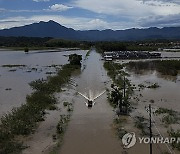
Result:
[162,137]
[151,116]
[158,148]
[160,134]
[150,129]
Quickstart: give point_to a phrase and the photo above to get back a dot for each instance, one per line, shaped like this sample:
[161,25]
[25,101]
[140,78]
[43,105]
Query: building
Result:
[109,56]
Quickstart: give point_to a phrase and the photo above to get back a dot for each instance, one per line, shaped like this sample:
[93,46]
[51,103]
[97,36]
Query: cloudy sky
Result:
[91,14]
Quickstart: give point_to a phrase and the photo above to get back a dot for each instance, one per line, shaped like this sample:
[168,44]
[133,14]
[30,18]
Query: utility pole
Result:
[124,100]
[124,87]
[150,128]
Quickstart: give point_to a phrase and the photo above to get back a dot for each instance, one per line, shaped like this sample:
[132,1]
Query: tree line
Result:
[36,42]
[102,46]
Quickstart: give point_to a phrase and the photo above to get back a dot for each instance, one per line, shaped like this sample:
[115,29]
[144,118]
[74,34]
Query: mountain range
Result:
[55,30]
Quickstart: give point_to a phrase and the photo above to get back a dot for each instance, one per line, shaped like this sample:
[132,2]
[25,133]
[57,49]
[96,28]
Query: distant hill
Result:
[55,30]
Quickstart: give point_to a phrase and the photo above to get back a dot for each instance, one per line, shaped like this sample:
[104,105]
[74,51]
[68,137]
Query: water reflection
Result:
[37,65]
[89,131]
[166,96]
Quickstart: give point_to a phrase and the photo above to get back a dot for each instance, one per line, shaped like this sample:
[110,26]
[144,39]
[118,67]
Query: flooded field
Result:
[90,130]
[165,96]
[17,69]
[151,86]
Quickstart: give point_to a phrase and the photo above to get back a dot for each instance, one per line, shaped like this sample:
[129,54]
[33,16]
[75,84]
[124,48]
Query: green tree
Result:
[75,59]
[26,50]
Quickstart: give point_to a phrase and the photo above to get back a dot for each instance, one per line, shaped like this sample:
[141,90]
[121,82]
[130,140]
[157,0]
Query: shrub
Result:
[26,50]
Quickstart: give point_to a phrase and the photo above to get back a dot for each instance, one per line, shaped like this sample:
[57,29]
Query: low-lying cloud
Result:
[59,7]
[161,21]
[41,0]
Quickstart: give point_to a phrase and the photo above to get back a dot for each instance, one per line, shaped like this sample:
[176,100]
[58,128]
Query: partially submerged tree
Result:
[26,50]
[119,101]
[75,59]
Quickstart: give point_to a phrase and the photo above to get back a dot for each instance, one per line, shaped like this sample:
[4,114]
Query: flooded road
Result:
[90,131]
[165,96]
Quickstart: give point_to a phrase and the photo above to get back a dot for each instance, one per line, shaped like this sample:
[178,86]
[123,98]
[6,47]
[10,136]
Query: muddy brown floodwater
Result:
[14,80]
[90,131]
[166,96]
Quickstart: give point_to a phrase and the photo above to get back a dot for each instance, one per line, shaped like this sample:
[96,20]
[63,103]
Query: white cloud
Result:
[59,7]
[129,7]
[55,7]
[2,10]
[97,24]
[160,21]
[70,22]
[125,14]
[162,1]
[110,14]
[81,23]
[133,12]
[14,22]
[110,7]
[41,0]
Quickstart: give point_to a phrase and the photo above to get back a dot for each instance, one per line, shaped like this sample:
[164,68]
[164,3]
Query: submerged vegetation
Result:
[87,54]
[141,123]
[169,116]
[26,50]
[154,86]
[165,67]
[118,96]
[11,66]
[75,59]
[175,134]
[61,127]
[120,89]
[118,124]
[23,120]
[60,130]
